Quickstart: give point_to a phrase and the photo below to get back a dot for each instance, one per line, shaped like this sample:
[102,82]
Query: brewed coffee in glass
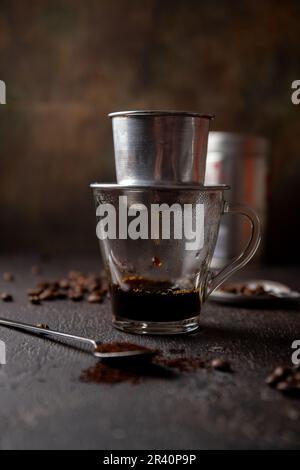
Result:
[157,245]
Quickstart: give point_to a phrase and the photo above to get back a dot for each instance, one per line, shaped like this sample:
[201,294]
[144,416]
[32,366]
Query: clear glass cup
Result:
[157,245]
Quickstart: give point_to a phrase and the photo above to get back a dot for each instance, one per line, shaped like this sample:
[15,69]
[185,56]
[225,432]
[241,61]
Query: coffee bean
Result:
[43,325]
[95,297]
[75,296]
[93,286]
[8,277]
[103,287]
[47,294]
[34,292]
[79,282]
[260,290]
[74,287]
[43,285]
[74,274]
[35,269]
[93,279]
[281,372]
[230,289]
[64,284]
[278,375]
[221,365]
[283,386]
[285,380]
[297,376]
[6,297]
[60,295]
[53,284]
[271,380]
[289,388]
[34,299]
[246,291]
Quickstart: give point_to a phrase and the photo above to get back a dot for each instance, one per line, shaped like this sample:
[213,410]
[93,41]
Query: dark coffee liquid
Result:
[154,301]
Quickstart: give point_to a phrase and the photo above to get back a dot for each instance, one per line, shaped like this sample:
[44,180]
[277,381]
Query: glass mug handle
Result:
[243,258]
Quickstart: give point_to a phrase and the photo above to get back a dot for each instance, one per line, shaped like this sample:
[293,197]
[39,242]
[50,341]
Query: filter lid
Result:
[162,112]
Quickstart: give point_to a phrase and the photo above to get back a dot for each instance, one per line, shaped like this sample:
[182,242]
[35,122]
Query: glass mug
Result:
[157,245]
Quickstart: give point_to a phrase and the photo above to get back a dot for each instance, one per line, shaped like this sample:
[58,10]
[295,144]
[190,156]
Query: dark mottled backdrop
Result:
[67,63]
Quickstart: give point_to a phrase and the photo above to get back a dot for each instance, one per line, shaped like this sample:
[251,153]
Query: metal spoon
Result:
[77,342]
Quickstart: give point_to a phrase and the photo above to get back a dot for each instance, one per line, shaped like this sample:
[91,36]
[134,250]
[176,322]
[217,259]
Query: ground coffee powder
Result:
[134,372]
[119,347]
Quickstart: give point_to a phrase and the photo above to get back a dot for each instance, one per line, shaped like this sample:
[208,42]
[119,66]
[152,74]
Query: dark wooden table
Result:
[44,405]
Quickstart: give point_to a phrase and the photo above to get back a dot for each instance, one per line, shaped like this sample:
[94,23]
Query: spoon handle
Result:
[77,342]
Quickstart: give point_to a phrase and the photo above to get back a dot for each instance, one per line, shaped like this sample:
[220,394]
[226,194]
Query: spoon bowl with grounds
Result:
[109,352]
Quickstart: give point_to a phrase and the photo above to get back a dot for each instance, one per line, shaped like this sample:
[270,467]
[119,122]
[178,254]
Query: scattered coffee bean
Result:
[289,388]
[43,325]
[74,274]
[282,386]
[42,285]
[95,298]
[34,292]
[75,296]
[60,295]
[93,286]
[246,289]
[35,269]
[297,376]
[75,287]
[230,289]
[34,299]
[64,284]
[47,294]
[279,374]
[8,277]
[221,365]
[285,380]
[6,297]
[260,290]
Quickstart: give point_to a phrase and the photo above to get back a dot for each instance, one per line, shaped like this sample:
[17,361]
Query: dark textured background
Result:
[67,63]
